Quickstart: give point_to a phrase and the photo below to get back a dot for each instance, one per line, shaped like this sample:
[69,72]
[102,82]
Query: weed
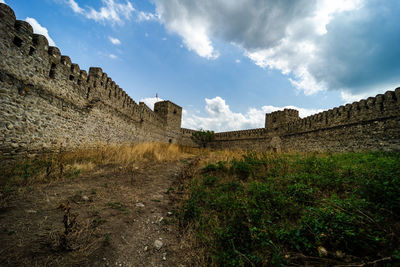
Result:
[118,206]
[107,239]
[260,209]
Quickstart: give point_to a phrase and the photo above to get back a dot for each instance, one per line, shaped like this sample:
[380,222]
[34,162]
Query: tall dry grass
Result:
[128,155]
[70,164]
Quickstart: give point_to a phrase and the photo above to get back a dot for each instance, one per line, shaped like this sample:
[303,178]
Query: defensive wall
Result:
[48,103]
[371,124]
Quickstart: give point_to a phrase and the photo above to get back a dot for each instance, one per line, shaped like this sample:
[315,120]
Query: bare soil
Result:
[106,217]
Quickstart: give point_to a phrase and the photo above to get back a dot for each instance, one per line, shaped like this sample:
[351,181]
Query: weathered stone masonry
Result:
[47,103]
[372,124]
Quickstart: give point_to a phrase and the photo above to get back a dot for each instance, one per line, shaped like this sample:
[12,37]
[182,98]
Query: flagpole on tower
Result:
[157,97]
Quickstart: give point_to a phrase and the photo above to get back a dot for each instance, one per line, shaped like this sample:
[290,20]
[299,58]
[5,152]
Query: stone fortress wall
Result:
[48,103]
[372,124]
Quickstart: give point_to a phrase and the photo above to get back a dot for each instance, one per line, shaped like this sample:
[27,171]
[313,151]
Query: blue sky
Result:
[227,62]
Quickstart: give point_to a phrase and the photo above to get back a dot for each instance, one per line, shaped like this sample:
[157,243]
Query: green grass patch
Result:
[261,209]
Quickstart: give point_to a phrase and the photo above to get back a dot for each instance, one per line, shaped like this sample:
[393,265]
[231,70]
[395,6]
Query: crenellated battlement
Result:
[48,102]
[276,119]
[63,93]
[372,123]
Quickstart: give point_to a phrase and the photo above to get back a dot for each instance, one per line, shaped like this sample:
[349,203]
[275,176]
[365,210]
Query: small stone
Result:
[322,251]
[10,126]
[169,213]
[164,256]
[158,244]
[339,254]
[141,205]
[14,145]
[31,211]
[145,248]
[161,219]
[85,198]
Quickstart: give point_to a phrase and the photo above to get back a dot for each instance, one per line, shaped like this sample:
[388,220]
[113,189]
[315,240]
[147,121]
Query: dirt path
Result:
[122,219]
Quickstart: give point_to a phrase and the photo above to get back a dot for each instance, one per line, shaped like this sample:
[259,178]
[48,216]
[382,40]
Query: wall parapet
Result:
[38,81]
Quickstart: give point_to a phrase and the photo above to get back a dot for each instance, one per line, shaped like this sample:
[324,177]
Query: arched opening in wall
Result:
[175,111]
[17,41]
[88,92]
[170,141]
[79,82]
[52,72]
[71,77]
[31,51]
[109,94]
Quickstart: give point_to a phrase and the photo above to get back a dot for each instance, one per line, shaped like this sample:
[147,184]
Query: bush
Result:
[203,138]
[265,208]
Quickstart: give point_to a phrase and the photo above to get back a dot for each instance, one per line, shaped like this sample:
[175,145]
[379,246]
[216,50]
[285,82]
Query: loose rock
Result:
[158,244]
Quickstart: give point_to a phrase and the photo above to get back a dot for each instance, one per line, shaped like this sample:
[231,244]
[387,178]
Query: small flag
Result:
[157,96]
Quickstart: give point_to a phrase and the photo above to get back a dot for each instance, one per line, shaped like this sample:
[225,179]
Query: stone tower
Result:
[172,116]
[274,120]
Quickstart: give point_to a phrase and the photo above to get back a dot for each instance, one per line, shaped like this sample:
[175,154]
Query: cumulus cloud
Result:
[221,118]
[150,101]
[146,16]
[345,45]
[114,41]
[39,29]
[75,7]
[2,1]
[112,56]
[111,11]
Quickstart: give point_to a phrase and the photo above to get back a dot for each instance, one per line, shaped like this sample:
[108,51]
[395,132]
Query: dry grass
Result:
[127,155]
[211,157]
[70,164]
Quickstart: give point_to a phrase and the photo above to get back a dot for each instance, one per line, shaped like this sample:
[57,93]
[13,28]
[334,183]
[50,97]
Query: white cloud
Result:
[150,101]
[114,41]
[320,45]
[39,29]
[349,97]
[193,28]
[112,11]
[112,56]
[2,1]
[146,16]
[221,118]
[237,60]
[75,7]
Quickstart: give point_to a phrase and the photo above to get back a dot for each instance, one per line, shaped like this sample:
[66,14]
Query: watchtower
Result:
[170,113]
[276,119]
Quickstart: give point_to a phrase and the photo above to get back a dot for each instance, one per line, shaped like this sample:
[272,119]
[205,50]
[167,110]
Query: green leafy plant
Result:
[262,209]
[203,138]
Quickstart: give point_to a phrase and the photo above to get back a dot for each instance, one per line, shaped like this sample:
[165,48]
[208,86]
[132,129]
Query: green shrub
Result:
[266,207]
